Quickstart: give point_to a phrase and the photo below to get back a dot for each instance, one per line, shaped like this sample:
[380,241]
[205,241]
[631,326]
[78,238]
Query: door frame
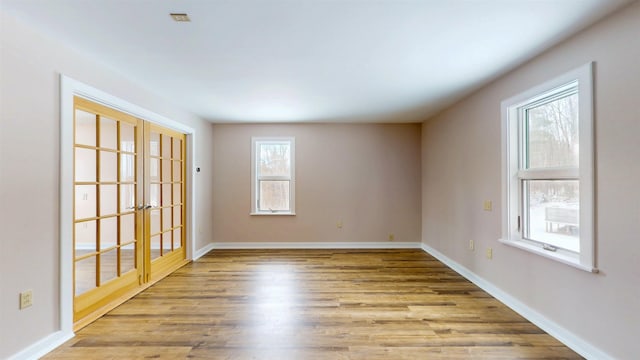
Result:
[68,89]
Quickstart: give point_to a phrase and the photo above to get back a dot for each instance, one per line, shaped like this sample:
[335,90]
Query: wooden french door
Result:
[129,207]
[166,188]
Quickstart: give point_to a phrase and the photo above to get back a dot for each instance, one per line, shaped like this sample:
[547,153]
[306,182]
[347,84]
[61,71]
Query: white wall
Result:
[30,64]
[367,176]
[461,167]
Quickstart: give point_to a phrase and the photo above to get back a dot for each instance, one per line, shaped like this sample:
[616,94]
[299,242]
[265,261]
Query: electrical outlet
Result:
[488,206]
[489,253]
[26,299]
[392,237]
[472,246]
[339,224]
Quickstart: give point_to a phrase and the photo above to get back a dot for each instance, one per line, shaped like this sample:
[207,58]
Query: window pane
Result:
[127,137]
[108,266]
[155,221]
[177,193]
[166,170]
[552,212]
[85,275]
[154,170]
[127,228]
[166,242]
[85,165]
[154,144]
[85,128]
[177,216]
[85,237]
[274,195]
[127,258]
[552,133]
[127,198]
[166,194]
[177,170]
[155,195]
[108,199]
[166,219]
[108,133]
[177,238]
[177,148]
[127,167]
[155,247]
[275,159]
[166,146]
[108,232]
[108,166]
[85,201]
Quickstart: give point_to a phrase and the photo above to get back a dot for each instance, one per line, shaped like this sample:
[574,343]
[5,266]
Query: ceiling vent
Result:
[180,17]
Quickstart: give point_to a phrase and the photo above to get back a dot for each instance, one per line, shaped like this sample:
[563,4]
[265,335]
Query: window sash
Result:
[525,173]
[260,196]
[525,215]
[258,150]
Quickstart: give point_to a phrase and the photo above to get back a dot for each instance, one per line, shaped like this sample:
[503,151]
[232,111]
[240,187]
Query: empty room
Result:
[319,179]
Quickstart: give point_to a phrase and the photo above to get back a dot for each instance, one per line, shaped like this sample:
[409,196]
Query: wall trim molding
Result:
[43,346]
[563,335]
[202,251]
[316,245]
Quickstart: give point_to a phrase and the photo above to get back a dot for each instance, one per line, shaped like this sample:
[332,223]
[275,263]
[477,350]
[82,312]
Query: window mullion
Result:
[549,174]
[274,178]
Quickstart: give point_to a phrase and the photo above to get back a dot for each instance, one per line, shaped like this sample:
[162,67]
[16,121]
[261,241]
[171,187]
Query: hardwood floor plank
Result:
[313,304]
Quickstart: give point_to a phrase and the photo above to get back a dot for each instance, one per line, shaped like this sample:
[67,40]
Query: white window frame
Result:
[255,181]
[513,174]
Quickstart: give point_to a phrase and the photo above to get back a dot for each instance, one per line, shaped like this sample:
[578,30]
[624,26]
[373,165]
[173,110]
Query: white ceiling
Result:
[311,60]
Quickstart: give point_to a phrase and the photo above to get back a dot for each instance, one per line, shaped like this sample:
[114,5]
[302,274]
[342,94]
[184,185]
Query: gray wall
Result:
[366,175]
[461,167]
[30,64]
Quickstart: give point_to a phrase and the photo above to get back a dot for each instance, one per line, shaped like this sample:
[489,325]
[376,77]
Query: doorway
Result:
[129,207]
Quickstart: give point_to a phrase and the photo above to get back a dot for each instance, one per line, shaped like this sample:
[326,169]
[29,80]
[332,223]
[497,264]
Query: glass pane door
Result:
[107,238]
[166,183]
[129,206]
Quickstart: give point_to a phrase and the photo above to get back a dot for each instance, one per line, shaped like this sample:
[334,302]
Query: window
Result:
[273,176]
[548,169]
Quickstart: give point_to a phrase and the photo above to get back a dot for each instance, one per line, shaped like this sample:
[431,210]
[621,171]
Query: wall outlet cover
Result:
[26,299]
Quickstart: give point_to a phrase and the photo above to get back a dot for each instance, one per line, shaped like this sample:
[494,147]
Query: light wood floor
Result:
[313,304]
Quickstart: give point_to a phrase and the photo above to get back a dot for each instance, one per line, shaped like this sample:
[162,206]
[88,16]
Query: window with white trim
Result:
[273,176]
[548,169]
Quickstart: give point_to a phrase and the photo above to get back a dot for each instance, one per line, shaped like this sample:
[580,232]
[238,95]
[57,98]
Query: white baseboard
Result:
[42,347]
[317,245]
[203,251]
[563,335]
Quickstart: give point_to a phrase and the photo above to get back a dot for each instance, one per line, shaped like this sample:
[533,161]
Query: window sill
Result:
[272,214]
[566,259]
